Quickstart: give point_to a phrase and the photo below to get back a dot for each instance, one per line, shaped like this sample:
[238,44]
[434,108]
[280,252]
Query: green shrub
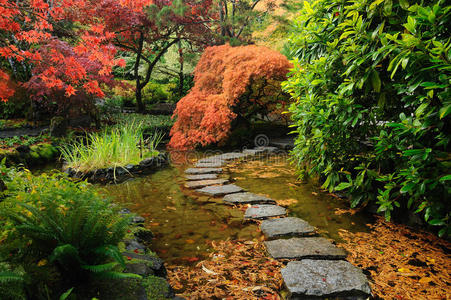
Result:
[66,223]
[155,92]
[116,147]
[149,123]
[373,102]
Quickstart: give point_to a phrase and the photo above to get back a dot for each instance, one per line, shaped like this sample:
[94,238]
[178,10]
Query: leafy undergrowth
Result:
[234,270]
[402,263]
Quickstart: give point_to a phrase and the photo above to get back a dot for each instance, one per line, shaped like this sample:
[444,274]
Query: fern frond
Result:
[7,277]
[117,275]
[111,251]
[100,268]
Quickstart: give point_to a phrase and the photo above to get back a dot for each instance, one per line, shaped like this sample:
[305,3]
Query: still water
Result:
[184,222]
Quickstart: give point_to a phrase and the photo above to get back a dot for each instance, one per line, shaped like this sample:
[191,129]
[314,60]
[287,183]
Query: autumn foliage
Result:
[230,82]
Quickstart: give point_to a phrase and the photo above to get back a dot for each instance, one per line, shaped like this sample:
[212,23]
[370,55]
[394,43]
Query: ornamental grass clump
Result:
[116,147]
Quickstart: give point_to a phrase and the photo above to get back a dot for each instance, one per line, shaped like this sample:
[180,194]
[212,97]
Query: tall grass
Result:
[115,147]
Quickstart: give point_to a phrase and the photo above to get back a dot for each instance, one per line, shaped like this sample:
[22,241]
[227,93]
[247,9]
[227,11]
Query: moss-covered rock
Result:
[157,288]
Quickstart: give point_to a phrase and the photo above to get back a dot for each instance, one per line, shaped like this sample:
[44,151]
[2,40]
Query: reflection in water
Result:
[184,222]
[276,178]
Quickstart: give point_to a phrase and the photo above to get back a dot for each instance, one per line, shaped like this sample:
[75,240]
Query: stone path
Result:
[317,268]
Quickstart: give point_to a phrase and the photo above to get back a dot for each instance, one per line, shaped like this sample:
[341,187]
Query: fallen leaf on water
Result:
[154,224]
[190,241]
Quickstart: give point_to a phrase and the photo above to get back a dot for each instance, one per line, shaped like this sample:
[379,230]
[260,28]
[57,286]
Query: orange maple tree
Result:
[230,83]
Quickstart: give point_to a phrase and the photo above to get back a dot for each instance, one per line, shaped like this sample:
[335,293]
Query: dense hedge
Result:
[373,102]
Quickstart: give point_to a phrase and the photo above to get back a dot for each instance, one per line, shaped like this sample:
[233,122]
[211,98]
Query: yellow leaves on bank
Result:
[401,263]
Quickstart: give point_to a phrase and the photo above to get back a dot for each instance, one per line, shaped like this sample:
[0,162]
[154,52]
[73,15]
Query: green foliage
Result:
[116,147]
[149,123]
[66,223]
[11,283]
[155,92]
[373,100]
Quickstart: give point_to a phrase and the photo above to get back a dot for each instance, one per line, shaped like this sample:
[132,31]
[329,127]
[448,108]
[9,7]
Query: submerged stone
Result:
[301,248]
[202,183]
[247,198]
[203,170]
[202,176]
[263,211]
[286,227]
[220,190]
[324,278]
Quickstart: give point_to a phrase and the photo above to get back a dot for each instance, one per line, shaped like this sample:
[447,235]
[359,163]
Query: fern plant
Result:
[11,283]
[69,223]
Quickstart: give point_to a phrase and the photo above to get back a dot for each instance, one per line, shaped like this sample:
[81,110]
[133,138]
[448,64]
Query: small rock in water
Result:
[138,220]
[325,279]
[134,245]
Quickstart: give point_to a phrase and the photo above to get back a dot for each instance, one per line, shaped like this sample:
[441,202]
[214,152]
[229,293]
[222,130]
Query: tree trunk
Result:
[139,102]
[181,75]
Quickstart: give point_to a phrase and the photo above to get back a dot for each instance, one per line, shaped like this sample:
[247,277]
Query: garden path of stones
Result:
[316,268]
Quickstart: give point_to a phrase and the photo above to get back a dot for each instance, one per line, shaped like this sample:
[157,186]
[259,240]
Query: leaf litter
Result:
[400,262]
[234,270]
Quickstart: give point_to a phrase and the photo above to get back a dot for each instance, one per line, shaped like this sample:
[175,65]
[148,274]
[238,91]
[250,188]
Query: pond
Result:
[184,222]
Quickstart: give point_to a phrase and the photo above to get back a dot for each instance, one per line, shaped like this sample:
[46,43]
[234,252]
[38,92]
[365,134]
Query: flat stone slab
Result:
[247,198]
[253,151]
[267,149]
[301,248]
[202,183]
[212,164]
[283,143]
[263,211]
[326,279]
[203,170]
[220,190]
[202,177]
[284,227]
[211,159]
[231,156]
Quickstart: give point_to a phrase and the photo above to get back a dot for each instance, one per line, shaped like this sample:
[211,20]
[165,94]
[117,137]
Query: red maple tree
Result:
[31,36]
[230,82]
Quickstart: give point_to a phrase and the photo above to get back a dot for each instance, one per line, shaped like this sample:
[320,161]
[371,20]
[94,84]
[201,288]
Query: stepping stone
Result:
[308,279]
[300,248]
[284,143]
[201,177]
[209,164]
[264,211]
[267,149]
[253,151]
[220,190]
[202,183]
[203,170]
[247,198]
[284,227]
[231,156]
[211,159]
